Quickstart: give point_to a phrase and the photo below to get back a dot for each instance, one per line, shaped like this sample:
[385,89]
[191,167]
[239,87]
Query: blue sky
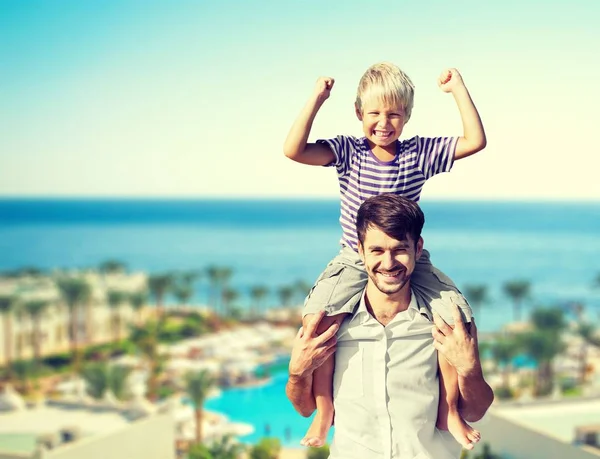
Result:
[194,98]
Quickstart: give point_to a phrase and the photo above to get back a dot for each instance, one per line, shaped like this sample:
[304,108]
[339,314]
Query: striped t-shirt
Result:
[362,175]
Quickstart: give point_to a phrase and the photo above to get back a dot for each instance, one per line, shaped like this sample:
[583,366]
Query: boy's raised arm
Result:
[296,146]
[473,138]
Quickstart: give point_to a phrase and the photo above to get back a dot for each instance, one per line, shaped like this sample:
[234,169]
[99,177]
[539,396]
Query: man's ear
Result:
[419,248]
[358,112]
[361,252]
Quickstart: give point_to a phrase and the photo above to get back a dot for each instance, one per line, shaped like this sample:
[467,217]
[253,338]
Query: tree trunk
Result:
[89,328]
[73,314]
[583,368]
[506,376]
[8,341]
[36,343]
[198,413]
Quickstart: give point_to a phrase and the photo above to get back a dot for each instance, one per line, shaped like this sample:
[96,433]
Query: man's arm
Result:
[296,146]
[309,352]
[459,347]
[473,138]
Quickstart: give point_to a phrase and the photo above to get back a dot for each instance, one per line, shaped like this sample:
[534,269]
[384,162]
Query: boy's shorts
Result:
[340,287]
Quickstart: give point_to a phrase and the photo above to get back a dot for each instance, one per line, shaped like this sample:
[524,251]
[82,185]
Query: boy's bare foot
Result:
[318,430]
[462,432]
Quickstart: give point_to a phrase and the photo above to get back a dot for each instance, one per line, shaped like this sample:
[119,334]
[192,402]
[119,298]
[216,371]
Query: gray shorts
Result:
[339,288]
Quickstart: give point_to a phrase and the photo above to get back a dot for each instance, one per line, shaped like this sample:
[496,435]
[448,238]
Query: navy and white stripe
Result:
[361,175]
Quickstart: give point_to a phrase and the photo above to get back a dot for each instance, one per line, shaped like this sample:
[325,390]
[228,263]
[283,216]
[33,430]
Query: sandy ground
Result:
[288,453]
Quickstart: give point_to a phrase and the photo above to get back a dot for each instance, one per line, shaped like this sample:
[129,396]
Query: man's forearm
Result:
[476,395]
[299,391]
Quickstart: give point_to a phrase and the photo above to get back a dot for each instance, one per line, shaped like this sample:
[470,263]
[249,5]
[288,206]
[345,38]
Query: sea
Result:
[275,243]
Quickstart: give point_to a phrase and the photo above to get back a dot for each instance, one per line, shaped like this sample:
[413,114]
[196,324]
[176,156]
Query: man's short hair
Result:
[394,215]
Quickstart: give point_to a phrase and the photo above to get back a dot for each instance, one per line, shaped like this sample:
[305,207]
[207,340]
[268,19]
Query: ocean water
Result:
[555,246]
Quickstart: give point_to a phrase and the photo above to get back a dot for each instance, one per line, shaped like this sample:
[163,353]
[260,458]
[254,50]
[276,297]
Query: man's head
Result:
[389,239]
[384,102]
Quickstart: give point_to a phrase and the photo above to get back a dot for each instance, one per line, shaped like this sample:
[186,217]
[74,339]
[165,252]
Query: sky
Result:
[194,98]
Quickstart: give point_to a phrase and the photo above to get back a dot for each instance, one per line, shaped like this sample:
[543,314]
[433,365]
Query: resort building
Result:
[73,430]
[97,321]
[543,429]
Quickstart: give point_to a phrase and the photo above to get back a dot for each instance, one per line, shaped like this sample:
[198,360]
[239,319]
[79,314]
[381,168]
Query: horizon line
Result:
[59,197]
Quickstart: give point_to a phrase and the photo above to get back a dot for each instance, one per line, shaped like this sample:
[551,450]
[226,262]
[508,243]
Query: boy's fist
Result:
[323,88]
[449,80]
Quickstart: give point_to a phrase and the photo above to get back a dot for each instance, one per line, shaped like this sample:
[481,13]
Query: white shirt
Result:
[386,389]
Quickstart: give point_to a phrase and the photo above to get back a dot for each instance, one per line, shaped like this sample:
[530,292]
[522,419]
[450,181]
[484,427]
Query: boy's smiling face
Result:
[382,124]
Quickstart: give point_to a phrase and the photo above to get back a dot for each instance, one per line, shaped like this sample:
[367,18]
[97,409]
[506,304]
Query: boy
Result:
[374,164]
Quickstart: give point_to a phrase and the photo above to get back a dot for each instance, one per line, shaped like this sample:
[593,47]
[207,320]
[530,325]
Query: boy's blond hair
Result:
[386,82]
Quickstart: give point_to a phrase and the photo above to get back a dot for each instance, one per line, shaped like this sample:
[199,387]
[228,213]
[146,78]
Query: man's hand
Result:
[449,80]
[323,88]
[310,350]
[457,345]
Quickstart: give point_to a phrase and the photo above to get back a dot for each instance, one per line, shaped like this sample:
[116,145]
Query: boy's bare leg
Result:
[448,416]
[322,390]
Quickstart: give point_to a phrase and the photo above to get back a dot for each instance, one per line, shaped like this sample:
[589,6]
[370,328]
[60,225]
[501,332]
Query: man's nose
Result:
[388,261]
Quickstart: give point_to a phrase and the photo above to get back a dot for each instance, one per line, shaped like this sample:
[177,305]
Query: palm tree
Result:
[477,296]
[544,343]
[101,377]
[184,288]
[35,309]
[198,386]
[266,448]
[159,285]
[286,293]
[75,292]
[228,296]
[183,293]
[226,448]
[112,266]
[219,279]
[138,300]
[487,453]
[258,294]
[23,372]
[517,291]
[588,335]
[504,350]
[145,339]
[95,375]
[7,305]
[190,277]
[550,320]
[301,289]
[115,299]
[212,273]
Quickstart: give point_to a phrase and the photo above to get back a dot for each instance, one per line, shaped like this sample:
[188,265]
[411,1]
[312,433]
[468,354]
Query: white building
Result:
[541,429]
[96,320]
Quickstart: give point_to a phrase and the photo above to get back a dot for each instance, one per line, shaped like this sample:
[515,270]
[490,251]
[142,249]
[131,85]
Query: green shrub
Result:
[318,453]
[504,393]
[266,448]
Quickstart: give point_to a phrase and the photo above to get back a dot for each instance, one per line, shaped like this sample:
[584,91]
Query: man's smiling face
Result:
[389,262]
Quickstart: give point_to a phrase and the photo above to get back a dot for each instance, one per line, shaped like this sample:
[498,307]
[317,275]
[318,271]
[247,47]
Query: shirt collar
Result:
[362,314]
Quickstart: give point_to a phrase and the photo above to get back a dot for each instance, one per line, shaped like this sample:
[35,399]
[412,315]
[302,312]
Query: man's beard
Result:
[385,288]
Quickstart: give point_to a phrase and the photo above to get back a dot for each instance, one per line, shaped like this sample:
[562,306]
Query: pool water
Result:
[267,408]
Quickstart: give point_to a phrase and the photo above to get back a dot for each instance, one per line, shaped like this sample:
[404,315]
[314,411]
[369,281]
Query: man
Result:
[386,387]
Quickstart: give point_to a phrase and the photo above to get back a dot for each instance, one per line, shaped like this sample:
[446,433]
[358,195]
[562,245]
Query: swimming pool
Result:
[265,407]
